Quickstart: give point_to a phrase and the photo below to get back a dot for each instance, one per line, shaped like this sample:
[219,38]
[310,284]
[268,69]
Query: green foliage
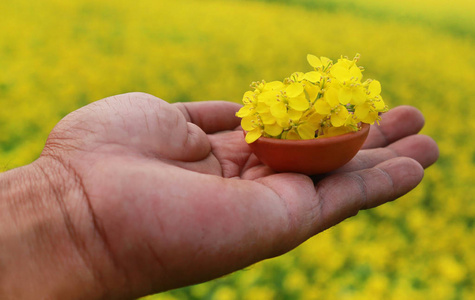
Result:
[57,56]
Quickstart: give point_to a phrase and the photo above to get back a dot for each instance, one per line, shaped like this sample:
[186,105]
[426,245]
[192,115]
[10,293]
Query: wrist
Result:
[40,251]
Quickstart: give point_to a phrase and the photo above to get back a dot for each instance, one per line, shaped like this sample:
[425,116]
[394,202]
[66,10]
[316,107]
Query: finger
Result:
[397,123]
[343,195]
[421,148]
[211,116]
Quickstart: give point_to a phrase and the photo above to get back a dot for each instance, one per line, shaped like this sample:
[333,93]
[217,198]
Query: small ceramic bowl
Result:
[311,157]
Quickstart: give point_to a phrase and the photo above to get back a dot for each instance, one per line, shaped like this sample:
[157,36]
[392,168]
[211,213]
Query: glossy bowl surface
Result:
[309,157]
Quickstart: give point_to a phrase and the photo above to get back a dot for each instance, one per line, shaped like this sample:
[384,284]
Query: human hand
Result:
[155,196]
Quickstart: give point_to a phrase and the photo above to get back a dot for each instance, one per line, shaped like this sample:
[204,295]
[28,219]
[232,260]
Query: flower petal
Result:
[355,73]
[253,135]
[248,97]
[340,73]
[262,108]
[268,97]
[299,103]
[314,61]
[325,61]
[297,76]
[274,85]
[278,110]
[249,123]
[339,117]
[267,118]
[244,111]
[283,122]
[322,107]
[313,76]
[334,131]
[374,88]
[312,91]
[307,131]
[292,135]
[379,104]
[273,129]
[294,115]
[361,111]
[371,117]
[294,89]
[331,96]
[359,96]
[315,119]
[345,95]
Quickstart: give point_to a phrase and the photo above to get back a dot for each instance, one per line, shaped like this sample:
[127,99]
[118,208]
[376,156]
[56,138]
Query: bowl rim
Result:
[342,137]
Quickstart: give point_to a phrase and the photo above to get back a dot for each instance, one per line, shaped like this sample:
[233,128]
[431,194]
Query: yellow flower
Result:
[297,77]
[250,104]
[296,96]
[321,63]
[339,116]
[334,131]
[374,91]
[326,101]
[313,76]
[273,129]
[279,109]
[309,125]
[367,112]
[349,83]
[253,135]
[294,89]
[311,91]
[329,105]
[253,128]
[361,111]
[314,61]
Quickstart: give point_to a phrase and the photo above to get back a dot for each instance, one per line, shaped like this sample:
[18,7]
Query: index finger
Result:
[211,116]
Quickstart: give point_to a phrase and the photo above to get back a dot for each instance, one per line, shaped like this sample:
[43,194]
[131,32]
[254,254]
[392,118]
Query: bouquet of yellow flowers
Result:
[329,100]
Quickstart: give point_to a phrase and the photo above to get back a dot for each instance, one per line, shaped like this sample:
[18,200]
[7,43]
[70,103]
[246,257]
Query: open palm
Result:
[171,195]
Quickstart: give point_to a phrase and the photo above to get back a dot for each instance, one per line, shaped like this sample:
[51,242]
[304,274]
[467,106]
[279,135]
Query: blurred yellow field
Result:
[57,56]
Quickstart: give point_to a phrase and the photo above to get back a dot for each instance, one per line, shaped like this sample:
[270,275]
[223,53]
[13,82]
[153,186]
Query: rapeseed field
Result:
[56,56]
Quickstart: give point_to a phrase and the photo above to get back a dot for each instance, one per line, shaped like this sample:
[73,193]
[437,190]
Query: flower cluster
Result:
[327,101]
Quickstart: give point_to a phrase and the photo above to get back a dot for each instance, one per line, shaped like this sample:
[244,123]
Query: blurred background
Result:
[56,56]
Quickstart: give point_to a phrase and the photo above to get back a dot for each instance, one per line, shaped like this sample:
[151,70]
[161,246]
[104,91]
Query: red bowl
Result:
[309,157]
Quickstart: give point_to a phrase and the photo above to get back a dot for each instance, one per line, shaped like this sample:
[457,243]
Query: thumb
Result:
[136,122]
